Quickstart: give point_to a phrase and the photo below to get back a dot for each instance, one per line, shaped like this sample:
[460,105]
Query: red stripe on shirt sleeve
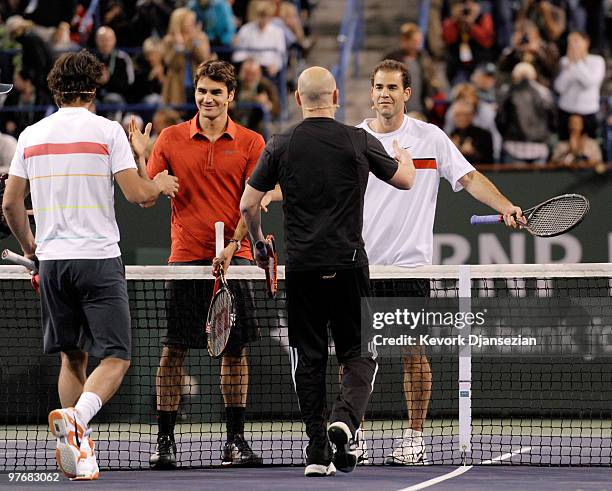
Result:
[425,163]
[65,148]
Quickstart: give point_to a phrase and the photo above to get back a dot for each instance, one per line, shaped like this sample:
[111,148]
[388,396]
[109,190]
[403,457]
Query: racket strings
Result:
[220,320]
[557,216]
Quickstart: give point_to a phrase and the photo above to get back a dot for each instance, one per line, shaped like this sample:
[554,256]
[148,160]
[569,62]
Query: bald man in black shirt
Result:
[322,167]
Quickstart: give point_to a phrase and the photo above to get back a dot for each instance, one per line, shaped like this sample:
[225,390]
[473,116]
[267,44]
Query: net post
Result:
[465,366]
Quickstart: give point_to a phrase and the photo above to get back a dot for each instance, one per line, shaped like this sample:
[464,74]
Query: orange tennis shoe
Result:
[63,425]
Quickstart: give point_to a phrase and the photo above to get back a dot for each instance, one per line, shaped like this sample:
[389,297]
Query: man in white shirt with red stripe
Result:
[398,225]
[68,162]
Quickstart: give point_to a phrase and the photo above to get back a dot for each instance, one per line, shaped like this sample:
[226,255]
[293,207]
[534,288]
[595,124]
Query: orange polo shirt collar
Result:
[194,128]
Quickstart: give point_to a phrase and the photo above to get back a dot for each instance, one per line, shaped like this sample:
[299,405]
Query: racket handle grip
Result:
[11,257]
[485,219]
[219,238]
[261,249]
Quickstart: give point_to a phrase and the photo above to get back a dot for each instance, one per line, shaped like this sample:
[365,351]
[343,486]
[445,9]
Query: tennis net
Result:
[550,407]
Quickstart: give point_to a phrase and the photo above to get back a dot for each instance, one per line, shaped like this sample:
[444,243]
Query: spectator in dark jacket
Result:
[578,148]
[484,116]
[528,46]
[424,82]
[526,118]
[150,72]
[253,88]
[118,75]
[24,97]
[35,54]
[151,18]
[469,35]
[47,15]
[116,17]
[476,144]
[550,18]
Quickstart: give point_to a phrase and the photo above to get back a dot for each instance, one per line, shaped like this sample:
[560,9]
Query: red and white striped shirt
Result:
[70,158]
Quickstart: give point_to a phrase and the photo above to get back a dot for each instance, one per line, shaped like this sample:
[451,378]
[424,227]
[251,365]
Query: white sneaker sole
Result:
[66,455]
[340,435]
[391,460]
[87,477]
[320,470]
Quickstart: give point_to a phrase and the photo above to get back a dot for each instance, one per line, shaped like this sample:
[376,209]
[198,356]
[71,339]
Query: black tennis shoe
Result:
[340,436]
[239,453]
[319,459]
[165,453]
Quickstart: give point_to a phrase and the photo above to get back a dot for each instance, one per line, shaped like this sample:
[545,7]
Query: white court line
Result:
[425,484]
[507,455]
[462,470]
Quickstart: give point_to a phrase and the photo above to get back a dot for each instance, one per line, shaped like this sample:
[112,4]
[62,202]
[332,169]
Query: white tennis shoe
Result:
[409,451]
[87,465]
[63,425]
[320,470]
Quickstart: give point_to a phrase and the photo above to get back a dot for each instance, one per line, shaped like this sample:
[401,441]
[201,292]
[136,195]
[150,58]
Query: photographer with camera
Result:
[528,46]
[548,17]
[469,35]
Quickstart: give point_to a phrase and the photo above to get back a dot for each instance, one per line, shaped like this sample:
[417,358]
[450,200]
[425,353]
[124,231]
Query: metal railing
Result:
[424,7]
[350,41]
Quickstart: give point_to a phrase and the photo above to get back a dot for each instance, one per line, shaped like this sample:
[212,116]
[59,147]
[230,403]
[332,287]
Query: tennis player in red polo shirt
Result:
[213,157]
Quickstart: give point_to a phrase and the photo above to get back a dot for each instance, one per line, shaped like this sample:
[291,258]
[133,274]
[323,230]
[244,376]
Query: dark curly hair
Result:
[75,76]
[219,71]
[392,66]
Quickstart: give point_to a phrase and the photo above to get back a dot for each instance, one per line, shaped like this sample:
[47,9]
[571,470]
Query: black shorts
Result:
[401,287]
[85,307]
[187,305]
[316,299]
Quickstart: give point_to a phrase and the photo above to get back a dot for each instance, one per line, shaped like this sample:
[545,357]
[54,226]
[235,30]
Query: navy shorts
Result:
[403,287]
[187,307]
[85,307]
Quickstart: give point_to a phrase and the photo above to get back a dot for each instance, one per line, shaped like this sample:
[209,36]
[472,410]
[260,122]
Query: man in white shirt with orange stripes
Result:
[68,162]
[398,225]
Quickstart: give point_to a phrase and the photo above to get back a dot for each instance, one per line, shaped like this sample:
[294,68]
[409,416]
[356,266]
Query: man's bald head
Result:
[316,87]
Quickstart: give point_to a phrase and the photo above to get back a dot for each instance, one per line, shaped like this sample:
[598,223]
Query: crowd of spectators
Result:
[512,82]
[150,49]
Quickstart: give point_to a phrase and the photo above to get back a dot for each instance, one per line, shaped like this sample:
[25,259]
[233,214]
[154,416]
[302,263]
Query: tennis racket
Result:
[222,312]
[267,249]
[11,257]
[548,219]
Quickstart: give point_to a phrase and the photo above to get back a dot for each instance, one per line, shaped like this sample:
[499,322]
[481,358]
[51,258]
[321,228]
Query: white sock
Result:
[87,407]
[410,433]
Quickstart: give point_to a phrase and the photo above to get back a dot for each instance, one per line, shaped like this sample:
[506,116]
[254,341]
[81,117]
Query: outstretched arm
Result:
[251,213]
[485,191]
[275,195]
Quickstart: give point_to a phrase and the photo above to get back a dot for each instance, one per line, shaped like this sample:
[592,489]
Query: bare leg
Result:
[169,378]
[106,378]
[417,388]
[235,378]
[72,377]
